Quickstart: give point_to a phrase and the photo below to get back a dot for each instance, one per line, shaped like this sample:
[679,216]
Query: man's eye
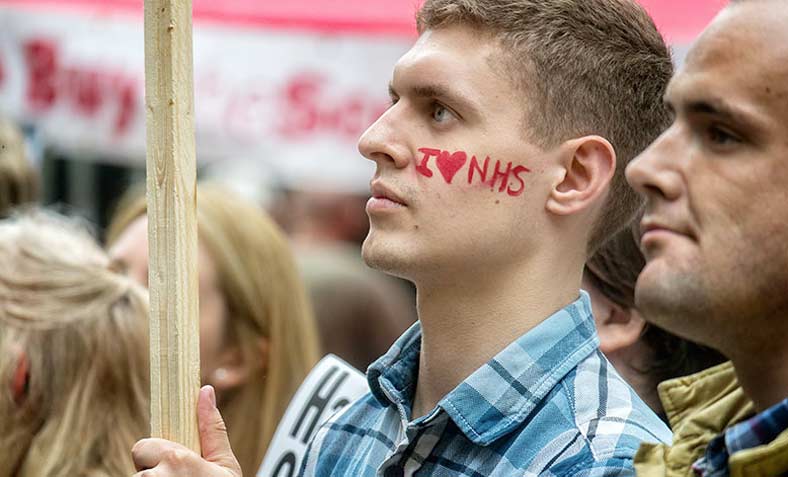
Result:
[720,136]
[440,113]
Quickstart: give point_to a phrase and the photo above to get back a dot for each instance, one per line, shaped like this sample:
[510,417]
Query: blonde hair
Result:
[265,297]
[82,330]
[18,178]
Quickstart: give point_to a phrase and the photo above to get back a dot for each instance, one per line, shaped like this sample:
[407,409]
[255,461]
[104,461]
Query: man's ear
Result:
[234,369]
[619,329]
[589,164]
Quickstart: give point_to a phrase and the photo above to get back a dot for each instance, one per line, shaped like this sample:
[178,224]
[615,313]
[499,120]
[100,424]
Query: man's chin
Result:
[673,301]
[383,258]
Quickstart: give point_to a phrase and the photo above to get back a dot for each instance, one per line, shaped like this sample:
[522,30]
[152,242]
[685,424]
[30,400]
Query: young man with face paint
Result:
[499,169]
[714,235]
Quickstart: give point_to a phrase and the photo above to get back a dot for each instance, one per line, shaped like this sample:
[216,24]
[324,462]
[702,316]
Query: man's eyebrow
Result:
[439,92]
[718,108]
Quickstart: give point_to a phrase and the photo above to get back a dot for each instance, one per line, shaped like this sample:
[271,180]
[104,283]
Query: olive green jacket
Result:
[700,407]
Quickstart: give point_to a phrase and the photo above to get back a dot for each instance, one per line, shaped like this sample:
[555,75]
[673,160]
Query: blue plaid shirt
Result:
[549,404]
[755,432]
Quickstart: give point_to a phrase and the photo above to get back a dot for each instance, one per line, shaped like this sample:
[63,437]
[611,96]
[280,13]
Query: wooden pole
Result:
[172,222]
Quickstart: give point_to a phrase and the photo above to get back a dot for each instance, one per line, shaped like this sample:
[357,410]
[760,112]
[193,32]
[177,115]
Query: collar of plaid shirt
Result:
[757,431]
[547,404]
[516,380]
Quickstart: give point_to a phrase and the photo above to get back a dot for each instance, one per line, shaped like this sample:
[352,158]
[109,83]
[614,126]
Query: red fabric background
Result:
[679,20]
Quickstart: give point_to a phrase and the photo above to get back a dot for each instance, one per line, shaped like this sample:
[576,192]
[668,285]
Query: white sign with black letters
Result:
[331,386]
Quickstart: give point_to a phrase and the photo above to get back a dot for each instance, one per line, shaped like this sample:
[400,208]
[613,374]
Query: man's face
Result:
[716,226]
[458,186]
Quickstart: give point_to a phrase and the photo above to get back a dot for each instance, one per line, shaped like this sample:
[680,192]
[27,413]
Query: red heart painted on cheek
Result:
[450,164]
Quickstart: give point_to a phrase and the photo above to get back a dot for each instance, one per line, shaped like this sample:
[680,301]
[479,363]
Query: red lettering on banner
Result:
[87,91]
[300,112]
[127,96]
[309,107]
[2,71]
[41,59]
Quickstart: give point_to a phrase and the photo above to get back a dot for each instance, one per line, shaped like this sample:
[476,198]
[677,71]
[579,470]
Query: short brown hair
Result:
[589,67]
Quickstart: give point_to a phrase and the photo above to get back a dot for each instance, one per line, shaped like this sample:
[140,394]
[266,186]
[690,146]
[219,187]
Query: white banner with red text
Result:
[294,100]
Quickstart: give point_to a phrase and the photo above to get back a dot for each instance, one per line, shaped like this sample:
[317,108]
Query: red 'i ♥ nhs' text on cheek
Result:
[486,172]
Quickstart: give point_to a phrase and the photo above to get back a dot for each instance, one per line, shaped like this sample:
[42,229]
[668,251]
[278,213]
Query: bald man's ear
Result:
[619,329]
[588,167]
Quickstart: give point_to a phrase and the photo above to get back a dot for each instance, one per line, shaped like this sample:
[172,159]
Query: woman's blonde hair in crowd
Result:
[265,297]
[82,330]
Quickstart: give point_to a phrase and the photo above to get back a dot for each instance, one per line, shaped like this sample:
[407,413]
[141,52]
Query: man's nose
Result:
[385,140]
[655,171]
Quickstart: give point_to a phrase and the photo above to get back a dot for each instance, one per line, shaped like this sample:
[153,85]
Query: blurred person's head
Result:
[257,332]
[559,96]
[74,392]
[18,177]
[716,182]
[360,312]
[643,353]
[325,217]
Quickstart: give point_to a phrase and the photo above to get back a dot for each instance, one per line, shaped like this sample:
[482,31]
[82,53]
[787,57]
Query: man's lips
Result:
[652,228]
[382,192]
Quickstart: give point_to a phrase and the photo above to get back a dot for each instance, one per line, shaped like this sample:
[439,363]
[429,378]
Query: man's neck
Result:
[763,374]
[466,321]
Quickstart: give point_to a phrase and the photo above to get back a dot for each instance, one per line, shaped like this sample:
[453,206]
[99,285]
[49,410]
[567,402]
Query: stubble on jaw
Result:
[382,256]
[677,302]
[731,309]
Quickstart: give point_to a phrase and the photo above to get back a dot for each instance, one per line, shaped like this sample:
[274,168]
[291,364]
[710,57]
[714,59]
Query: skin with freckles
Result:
[716,222]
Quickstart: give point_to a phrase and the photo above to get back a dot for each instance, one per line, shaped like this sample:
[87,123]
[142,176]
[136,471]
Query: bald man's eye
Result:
[721,137]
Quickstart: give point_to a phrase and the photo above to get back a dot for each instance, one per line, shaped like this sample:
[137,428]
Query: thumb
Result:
[213,432]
